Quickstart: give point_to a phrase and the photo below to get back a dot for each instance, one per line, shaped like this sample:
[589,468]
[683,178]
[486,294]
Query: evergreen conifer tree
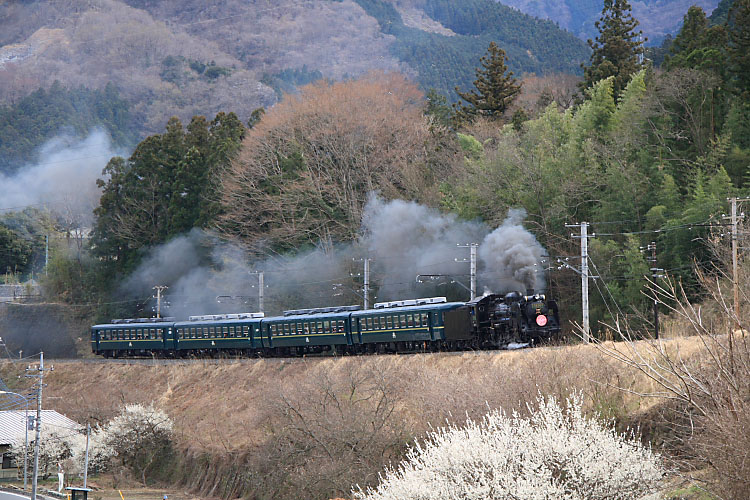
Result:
[617,49]
[698,45]
[494,89]
[739,46]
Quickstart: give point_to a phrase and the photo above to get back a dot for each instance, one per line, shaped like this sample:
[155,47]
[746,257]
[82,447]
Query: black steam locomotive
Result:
[514,319]
[430,324]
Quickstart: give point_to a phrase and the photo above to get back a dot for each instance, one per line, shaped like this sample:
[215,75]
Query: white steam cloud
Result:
[403,239]
[64,179]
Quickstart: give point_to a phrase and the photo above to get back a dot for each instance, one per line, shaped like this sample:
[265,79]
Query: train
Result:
[492,321]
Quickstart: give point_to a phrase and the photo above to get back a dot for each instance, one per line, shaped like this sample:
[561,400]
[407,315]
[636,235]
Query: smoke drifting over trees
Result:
[64,178]
[404,239]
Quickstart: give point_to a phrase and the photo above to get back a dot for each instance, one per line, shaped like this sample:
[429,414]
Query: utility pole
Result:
[40,383]
[86,460]
[366,281]
[584,275]
[261,287]
[46,253]
[656,272]
[366,288]
[734,219]
[473,266]
[159,289]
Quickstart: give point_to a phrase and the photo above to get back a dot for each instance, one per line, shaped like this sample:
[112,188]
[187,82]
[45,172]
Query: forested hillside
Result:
[190,58]
[28,123]
[658,18]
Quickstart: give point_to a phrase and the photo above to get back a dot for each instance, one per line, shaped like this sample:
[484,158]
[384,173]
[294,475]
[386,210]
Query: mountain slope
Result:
[657,17]
[194,57]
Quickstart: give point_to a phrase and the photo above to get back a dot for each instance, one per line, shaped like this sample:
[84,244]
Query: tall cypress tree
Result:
[617,49]
[698,45]
[739,46]
[494,89]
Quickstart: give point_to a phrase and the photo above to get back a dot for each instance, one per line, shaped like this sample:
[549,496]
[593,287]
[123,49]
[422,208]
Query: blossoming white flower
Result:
[556,453]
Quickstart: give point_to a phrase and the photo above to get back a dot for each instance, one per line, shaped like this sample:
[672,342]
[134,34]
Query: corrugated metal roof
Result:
[12,424]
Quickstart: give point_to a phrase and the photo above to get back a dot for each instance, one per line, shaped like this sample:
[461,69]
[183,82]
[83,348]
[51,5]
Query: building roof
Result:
[12,424]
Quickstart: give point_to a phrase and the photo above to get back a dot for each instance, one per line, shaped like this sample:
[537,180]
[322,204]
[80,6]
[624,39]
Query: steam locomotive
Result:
[429,324]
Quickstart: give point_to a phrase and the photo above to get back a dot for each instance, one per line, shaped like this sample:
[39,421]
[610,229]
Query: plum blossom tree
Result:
[56,446]
[138,436]
[556,453]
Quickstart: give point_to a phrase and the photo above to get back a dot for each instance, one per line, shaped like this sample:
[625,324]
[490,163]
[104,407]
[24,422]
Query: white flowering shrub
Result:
[100,453]
[137,436]
[556,453]
[56,446]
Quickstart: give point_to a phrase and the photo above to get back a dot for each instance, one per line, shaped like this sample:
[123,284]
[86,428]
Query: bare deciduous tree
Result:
[707,392]
[304,172]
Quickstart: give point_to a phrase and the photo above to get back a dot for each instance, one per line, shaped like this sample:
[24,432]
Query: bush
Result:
[555,453]
[138,436]
[56,446]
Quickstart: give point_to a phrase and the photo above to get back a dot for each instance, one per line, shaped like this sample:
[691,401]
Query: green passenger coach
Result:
[230,333]
[133,337]
[399,326]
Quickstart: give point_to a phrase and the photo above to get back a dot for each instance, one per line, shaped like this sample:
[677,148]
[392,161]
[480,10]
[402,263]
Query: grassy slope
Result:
[243,414]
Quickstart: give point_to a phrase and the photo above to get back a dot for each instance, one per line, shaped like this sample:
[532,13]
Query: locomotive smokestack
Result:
[529,291]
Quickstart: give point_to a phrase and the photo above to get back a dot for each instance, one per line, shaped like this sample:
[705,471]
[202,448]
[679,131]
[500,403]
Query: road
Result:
[6,495]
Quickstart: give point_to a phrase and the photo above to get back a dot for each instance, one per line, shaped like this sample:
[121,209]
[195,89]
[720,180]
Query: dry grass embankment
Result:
[309,428]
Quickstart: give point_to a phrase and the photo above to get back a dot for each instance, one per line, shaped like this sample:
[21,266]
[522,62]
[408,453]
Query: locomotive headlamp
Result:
[541,320]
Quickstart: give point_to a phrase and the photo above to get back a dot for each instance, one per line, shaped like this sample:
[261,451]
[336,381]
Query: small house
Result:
[13,429]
